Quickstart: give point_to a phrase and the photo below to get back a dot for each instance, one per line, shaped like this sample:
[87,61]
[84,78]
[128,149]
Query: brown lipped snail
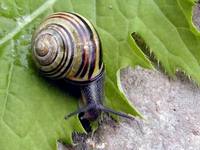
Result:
[67,46]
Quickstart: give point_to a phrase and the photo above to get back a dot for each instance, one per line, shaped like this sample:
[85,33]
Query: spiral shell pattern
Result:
[66,45]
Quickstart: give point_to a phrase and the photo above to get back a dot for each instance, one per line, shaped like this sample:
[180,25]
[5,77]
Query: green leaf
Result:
[32,108]
[166,27]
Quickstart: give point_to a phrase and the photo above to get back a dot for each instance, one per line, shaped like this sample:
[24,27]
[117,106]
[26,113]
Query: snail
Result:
[67,46]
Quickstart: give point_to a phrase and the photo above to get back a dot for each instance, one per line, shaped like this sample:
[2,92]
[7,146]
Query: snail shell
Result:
[67,46]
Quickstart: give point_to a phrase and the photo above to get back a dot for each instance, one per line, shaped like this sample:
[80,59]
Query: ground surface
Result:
[171,108]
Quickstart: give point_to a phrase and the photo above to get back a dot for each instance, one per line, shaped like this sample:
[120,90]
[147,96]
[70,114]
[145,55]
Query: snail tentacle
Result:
[80,110]
[108,110]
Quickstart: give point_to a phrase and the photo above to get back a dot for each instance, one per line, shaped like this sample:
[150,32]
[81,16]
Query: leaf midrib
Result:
[27,20]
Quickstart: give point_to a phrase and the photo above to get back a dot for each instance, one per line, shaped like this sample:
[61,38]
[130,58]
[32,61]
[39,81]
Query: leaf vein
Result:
[8,88]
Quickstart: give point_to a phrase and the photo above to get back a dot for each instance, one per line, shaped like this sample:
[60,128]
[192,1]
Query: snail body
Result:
[67,46]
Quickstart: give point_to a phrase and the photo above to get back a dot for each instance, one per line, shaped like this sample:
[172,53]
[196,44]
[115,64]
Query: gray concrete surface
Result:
[171,108]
